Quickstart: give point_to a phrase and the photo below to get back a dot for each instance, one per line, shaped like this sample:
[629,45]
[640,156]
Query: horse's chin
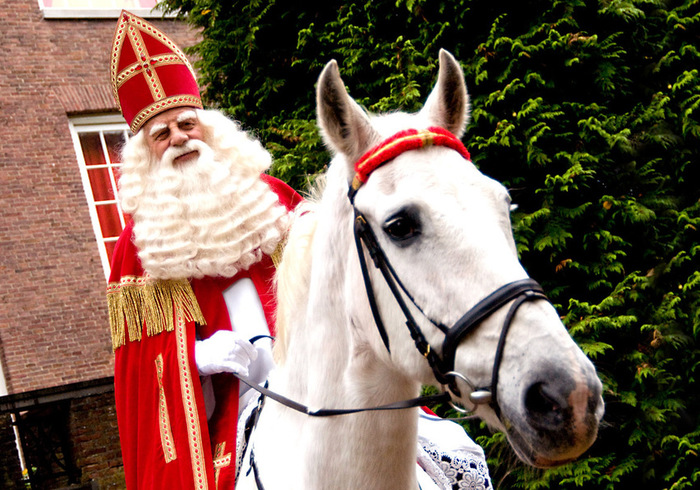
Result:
[529,456]
[548,450]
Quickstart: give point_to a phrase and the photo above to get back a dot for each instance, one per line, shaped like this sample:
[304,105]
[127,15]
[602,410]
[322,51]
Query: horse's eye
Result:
[402,227]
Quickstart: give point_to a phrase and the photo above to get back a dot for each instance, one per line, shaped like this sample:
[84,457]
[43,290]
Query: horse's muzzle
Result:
[560,417]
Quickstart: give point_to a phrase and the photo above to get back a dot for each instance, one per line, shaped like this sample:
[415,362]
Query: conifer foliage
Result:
[589,111]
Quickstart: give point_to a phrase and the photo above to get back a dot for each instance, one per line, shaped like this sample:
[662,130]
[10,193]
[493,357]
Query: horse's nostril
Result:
[542,407]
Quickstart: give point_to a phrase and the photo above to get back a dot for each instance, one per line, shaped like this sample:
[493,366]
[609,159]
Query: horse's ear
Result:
[345,126]
[448,103]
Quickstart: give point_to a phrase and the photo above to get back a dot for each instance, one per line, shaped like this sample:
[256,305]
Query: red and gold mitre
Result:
[149,73]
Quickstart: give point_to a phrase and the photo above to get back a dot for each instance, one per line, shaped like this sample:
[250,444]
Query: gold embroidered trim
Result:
[189,404]
[139,46]
[135,301]
[136,68]
[162,105]
[166,434]
[221,460]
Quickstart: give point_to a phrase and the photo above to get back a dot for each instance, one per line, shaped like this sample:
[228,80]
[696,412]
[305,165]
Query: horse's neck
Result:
[328,365]
[330,340]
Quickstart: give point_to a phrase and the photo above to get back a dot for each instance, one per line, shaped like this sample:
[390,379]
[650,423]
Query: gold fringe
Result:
[137,300]
[276,256]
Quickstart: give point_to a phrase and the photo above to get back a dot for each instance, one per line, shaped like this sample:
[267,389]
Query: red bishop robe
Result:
[166,440]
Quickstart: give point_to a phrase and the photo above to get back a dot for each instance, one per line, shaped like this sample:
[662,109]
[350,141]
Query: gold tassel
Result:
[116,320]
[131,302]
[158,308]
[186,302]
[136,301]
[276,256]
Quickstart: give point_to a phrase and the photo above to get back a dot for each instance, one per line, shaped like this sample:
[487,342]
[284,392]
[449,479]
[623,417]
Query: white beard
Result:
[209,217]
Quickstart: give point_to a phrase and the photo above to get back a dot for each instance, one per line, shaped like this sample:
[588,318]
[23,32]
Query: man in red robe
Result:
[191,278]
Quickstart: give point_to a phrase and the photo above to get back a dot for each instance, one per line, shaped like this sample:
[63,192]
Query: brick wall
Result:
[10,471]
[96,450]
[53,319]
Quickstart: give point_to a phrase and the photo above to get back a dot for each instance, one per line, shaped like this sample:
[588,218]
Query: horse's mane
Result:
[294,270]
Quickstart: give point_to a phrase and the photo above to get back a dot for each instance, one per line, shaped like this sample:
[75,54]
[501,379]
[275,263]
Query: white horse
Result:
[444,227]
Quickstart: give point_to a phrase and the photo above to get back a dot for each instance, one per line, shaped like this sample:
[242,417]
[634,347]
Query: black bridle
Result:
[519,292]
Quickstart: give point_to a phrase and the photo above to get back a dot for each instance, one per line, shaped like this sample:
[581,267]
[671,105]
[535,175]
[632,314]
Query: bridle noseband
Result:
[519,292]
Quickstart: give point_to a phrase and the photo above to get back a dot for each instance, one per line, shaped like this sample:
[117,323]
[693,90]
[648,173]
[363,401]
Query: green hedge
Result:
[589,112]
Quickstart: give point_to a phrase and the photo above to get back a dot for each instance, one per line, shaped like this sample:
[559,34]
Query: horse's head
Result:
[445,229]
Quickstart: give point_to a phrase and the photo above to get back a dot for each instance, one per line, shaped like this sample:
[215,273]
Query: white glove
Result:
[224,352]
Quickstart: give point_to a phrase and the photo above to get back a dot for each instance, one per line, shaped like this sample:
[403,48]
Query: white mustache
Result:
[174,152]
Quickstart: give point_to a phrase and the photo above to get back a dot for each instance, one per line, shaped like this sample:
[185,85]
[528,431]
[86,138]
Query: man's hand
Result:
[224,352]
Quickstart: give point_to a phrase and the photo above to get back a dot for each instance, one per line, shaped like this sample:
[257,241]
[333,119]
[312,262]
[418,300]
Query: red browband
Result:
[410,139]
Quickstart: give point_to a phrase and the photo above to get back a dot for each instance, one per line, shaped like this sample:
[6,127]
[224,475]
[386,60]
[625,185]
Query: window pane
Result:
[108,215]
[109,246]
[92,148]
[100,184]
[115,142]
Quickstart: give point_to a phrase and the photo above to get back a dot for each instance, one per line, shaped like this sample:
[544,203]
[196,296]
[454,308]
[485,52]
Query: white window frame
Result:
[98,13]
[101,124]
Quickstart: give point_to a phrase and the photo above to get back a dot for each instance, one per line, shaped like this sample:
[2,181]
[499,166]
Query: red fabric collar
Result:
[410,139]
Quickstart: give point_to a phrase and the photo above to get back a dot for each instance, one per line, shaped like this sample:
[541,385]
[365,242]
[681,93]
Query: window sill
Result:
[60,13]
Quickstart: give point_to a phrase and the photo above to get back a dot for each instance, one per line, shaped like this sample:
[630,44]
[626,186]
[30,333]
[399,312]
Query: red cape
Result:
[165,437]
